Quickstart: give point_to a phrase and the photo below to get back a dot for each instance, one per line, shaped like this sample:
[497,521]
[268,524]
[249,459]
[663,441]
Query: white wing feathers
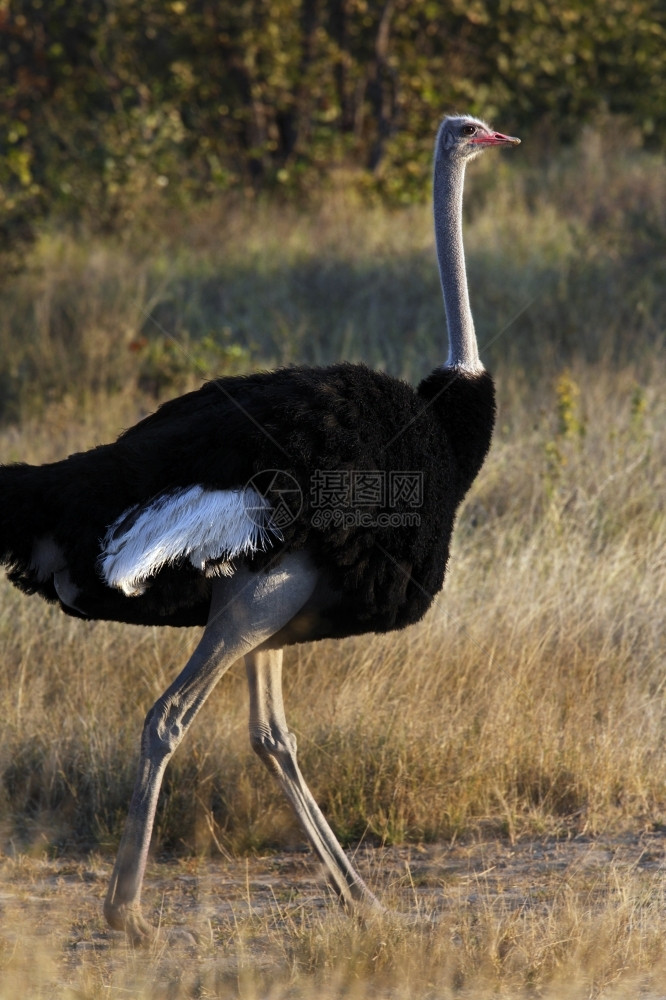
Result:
[210,528]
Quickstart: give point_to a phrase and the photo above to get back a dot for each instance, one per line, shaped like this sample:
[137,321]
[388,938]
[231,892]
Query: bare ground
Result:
[262,916]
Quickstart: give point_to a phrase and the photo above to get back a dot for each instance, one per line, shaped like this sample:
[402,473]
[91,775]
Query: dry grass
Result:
[529,704]
[565,258]
[569,921]
[531,698]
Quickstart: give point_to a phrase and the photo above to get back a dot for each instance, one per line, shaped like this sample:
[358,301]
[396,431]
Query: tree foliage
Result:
[106,100]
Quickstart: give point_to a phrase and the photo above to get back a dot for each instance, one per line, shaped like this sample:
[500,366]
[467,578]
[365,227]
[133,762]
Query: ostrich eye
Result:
[468,130]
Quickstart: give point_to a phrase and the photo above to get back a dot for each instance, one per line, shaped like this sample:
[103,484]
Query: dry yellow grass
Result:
[530,699]
[531,702]
[563,922]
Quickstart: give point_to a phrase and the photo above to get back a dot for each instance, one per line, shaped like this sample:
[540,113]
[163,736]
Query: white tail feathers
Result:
[209,528]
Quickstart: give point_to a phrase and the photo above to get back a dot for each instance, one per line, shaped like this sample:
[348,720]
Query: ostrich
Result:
[237,507]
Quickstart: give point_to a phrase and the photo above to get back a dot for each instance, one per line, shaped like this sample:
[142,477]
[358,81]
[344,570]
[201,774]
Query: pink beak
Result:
[495,139]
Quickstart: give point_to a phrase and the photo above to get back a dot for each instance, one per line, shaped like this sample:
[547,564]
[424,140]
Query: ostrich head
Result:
[462,137]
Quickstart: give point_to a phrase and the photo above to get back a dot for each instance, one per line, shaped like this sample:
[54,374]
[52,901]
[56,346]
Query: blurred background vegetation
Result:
[105,101]
[189,189]
[192,189]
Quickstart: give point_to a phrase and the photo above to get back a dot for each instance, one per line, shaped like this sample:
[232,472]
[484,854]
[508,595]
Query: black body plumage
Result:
[382,565]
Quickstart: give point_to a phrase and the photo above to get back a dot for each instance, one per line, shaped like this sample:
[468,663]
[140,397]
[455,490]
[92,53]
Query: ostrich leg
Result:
[272,741]
[165,726]
[241,617]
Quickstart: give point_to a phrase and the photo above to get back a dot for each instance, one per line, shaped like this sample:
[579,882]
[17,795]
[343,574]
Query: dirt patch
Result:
[274,912]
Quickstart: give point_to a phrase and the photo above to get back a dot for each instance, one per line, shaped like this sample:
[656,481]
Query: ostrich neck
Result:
[449,179]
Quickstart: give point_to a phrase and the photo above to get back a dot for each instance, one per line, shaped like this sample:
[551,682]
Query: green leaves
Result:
[102,105]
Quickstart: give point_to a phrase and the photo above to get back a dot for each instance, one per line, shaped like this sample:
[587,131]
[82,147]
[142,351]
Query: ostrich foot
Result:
[128,918]
[141,934]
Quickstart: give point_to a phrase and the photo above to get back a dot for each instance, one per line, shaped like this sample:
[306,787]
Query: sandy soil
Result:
[54,907]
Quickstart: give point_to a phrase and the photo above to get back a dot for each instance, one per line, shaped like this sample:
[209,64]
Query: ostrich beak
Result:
[495,139]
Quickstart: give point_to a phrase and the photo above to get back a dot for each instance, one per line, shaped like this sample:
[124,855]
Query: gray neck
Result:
[448,197]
